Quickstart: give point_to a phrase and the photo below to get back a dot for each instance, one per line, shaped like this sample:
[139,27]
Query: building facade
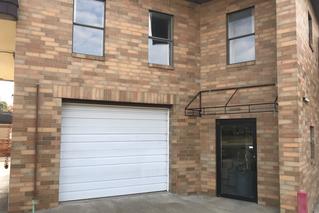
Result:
[97,80]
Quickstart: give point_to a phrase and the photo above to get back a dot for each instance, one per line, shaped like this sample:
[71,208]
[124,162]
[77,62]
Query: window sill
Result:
[89,57]
[241,64]
[159,66]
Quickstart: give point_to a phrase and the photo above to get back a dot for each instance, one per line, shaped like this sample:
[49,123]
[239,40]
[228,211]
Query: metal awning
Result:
[234,100]
[9,9]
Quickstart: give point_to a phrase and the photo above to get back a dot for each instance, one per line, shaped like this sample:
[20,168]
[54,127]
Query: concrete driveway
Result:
[160,203]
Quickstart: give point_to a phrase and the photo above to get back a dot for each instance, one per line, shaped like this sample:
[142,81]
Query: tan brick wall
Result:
[298,78]
[43,55]
[289,142]
[308,79]
[215,73]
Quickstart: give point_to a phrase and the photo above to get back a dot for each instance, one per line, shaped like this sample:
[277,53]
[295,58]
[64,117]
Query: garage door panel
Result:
[112,161]
[113,138]
[67,107]
[113,130]
[91,146]
[111,153]
[72,187]
[110,150]
[83,114]
[115,123]
[113,113]
[111,192]
[112,172]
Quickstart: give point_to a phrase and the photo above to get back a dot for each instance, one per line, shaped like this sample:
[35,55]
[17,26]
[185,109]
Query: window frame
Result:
[168,41]
[239,37]
[310,31]
[312,143]
[91,27]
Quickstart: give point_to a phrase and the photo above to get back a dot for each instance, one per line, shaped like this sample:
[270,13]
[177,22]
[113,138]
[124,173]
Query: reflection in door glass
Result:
[238,165]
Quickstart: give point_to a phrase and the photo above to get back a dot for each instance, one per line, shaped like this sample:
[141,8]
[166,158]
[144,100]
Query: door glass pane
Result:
[89,12]
[238,161]
[242,49]
[88,40]
[160,25]
[241,23]
[159,52]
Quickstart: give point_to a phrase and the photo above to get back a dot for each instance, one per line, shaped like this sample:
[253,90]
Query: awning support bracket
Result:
[201,110]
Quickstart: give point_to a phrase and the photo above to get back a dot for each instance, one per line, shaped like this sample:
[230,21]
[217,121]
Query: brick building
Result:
[223,92]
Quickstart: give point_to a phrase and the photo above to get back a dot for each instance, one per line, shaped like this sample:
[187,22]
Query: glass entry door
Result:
[237,159]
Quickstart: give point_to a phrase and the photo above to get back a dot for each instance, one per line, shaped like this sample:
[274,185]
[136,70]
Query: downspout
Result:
[36,140]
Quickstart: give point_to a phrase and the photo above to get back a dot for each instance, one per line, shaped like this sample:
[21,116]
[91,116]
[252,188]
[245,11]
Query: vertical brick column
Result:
[308,79]
[288,117]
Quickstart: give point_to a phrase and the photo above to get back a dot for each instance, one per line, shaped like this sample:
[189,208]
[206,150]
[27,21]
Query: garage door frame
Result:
[133,105]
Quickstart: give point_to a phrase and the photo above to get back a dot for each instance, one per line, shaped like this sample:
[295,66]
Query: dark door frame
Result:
[219,123]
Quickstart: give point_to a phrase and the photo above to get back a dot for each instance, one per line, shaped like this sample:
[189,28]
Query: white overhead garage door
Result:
[112,150]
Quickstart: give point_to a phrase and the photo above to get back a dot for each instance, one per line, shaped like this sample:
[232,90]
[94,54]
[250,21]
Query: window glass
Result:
[160,25]
[310,30]
[241,23]
[88,27]
[159,52]
[241,36]
[88,40]
[242,49]
[312,142]
[160,43]
[89,12]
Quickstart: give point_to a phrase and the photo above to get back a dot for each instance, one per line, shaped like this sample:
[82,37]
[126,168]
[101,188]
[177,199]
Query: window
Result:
[310,30]
[160,43]
[312,142]
[241,36]
[88,27]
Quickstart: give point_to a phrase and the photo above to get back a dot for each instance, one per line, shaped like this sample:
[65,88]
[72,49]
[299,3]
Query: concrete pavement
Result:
[160,203]
[145,203]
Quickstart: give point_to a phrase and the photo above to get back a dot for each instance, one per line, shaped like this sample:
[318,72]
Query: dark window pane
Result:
[242,49]
[241,23]
[89,12]
[88,40]
[310,30]
[159,52]
[312,142]
[160,25]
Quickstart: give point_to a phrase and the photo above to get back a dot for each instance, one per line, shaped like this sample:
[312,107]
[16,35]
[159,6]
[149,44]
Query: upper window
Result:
[312,142]
[241,36]
[310,36]
[160,42]
[88,27]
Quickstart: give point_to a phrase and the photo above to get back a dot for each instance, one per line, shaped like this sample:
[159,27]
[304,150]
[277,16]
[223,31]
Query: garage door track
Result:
[160,203]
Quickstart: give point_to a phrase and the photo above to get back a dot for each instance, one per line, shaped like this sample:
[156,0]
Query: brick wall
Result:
[215,73]
[43,55]
[308,81]
[288,104]
[297,78]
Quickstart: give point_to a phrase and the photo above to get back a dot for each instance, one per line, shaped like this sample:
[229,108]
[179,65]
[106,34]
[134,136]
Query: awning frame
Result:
[271,106]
